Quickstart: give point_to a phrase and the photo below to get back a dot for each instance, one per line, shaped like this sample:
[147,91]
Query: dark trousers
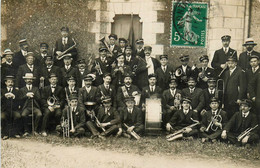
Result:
[95,130]
[9,122]
[166,116]
[232,137]
[211,135]
[25,116]
[47,114]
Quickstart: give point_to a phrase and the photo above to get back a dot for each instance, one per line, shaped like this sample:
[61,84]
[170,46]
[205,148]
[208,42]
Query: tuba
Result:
[103,41]
[51,101]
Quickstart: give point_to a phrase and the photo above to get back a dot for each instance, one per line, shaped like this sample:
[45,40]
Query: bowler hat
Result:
[9,77]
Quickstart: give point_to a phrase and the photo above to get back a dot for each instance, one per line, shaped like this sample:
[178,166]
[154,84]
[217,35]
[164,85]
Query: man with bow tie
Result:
[19,57]
[29,67]
[52,110]
[49,68]
[130,115]
[101,66]
[7,68]
[67,70]
[64,43]
[244,57]
[220,56]
[164,73]
[128,89]
[171,101]
[240,121]
[10,114]
[235,86]
[106,89]
[181,119]
[76,118]
[213,121]
[40,57]
[195,94]
[30,97]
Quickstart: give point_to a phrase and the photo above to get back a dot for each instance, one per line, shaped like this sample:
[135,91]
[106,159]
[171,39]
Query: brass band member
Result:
[76,120]
[113,47]
[122,45]
[72,87]
[220,56]
[67,70]
[213,121]
[235,86]
[82,71]
[239,123]
[127,90]
[132,62]
[7,68]
[53,99]
[131,115]
[209,93]
[164,73]
[63,44]
[139,44]
[40,57]
[205,72]
[183,118]
[171,101]
[30,99]
[10,114]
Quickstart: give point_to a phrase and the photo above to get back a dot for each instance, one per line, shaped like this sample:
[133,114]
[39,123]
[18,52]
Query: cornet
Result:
[99,70]
[212,126]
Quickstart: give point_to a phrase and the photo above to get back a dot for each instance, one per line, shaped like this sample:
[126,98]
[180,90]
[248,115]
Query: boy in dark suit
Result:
[10,114]
[78,118]
[210,92]
[220,56]
[181,119]
[164,73]
[213,121]
[52,107]
[30,98]
[239,122]
[131,118]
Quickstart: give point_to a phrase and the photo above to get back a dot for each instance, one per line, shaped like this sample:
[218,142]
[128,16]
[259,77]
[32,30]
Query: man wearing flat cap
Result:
[139,51]
[40,57]
[7,68]
[29,67]
[113,47]
[132,61]
[240,121]
[244,57]
[52,111]
[122,45]
[235,86]
[19,57]
[82,71]
[210,92]
[68,70]
[72,87]
[101,66]
[220,56]
[164,72]
[254,68]
[63,44]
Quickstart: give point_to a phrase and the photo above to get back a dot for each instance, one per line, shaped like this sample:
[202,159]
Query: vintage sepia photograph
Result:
[130,83]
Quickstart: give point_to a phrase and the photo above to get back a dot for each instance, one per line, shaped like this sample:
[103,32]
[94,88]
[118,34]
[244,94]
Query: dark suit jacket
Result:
[46,74]
[250,75]
[8,104]
[140,53]
[59,93]
[146,93]
[79,117]
[134,119]
[133,64]
[209,73]
[207,118]
[180,119]
[75,91]
[244,61]
[7,70]
[235,123]
[120,96]
[24,99]
[254,90]
[220,57]
[60,47]
[105,68]
[168,99]
[92,96]
[163,78]
[67,73]
[80,76]
[18,59]
[207,98]
[40,60]
[115,52]
[235,86]
[142,73]
[111,92]
[113,118]
[118,76]
[23,69]
[197,98]
[182,83]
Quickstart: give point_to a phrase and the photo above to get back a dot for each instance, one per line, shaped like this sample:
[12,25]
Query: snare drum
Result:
[153,115]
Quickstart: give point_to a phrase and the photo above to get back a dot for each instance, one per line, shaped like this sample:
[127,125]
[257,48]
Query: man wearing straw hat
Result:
[19,57]
[30,101]
[7,68]
[244,57]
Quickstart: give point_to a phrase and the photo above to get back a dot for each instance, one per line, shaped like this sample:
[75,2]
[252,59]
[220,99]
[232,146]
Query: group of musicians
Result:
[107,95]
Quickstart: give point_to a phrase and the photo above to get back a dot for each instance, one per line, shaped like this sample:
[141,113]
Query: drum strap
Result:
[125,93]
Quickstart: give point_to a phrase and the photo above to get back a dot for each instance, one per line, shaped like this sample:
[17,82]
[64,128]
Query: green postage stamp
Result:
[189,24]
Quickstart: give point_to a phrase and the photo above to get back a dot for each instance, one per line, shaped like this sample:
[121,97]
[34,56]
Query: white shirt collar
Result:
[231,71]
[24,52]
[245,114]
[67,66]
[256,68]
[9,63]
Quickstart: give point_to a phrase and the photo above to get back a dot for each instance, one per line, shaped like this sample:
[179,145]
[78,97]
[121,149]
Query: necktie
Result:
[230,73]
[29,87]
[9,90]
[254,69]
[191,90]
[64,41]
[31,67]
[152,89]
[107,87]
[164,69]
[225,50]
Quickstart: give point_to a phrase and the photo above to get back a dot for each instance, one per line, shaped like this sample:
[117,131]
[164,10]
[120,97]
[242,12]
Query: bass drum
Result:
[153,116]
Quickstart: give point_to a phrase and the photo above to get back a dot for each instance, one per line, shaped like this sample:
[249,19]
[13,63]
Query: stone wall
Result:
[254,30]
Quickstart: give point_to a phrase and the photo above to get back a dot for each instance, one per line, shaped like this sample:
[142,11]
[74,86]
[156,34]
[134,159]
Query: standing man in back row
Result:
[220,56]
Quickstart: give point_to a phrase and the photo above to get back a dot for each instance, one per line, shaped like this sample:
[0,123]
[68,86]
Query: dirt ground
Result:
[27,154]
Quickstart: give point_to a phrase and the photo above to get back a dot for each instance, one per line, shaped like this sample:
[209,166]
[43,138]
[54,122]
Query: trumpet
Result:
[178,72]
[99,70]
[65,128]
[212,126]
[171,137]
[245,133]
[60,56]
[133,133]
